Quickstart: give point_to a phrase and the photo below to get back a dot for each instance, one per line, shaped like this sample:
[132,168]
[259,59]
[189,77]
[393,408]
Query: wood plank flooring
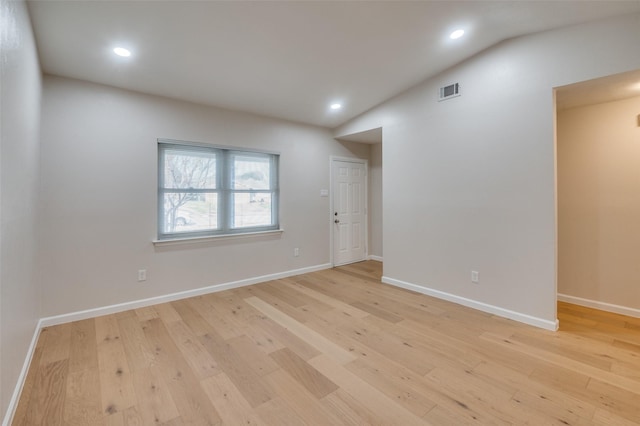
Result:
[329,348]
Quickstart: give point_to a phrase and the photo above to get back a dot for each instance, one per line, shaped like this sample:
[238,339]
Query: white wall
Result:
[99,166]
[469,183]
[599,202]
[20,92]
[375,201]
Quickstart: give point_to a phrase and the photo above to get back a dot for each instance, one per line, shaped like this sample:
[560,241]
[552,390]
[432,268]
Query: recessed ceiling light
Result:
[121,51]
[456,34]
[336,106]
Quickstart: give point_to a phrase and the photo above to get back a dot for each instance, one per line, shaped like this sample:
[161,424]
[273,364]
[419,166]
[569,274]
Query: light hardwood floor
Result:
[329,348]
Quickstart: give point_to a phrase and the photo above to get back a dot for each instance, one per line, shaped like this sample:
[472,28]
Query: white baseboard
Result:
[484,307]
[603,306]
[112,309]
[13,403]
[376,258]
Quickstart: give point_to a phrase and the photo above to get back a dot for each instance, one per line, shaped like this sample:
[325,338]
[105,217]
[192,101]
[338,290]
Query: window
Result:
[205,190]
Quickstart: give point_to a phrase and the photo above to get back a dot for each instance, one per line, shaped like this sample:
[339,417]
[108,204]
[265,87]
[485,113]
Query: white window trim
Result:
[212,238]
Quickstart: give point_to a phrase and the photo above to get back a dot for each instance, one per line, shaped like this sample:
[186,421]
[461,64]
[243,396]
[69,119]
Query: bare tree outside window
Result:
[187,171]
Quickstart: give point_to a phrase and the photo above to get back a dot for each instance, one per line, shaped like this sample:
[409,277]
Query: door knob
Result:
[336,221]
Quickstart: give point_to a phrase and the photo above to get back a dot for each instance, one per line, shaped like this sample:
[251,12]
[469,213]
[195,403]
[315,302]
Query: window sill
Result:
[211,238]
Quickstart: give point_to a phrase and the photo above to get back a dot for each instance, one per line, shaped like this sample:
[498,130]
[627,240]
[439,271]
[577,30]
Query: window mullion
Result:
[229,193]
[225,176]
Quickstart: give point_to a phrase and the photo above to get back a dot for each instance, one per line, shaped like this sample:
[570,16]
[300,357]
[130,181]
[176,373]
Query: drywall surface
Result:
[99,192]
[20,90]
[469,183]
[599,202]
[375,201]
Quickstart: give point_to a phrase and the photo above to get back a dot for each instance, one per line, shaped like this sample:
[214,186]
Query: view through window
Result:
[206,190]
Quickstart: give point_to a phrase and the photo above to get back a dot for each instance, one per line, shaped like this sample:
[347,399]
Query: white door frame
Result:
[333,159]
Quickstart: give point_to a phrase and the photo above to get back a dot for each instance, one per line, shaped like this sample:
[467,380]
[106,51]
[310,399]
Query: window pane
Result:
[187,169]
[252,209]
[251,172]
[187,212]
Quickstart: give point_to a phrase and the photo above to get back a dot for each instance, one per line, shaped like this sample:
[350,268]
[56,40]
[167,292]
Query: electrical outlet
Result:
[142,274]
[475,277]
[296,252]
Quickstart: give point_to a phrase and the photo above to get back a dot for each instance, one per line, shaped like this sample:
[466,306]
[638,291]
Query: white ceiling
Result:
[368,136]
[284,59]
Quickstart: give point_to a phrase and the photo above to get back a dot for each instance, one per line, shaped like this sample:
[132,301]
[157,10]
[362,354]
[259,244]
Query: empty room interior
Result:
[319,212]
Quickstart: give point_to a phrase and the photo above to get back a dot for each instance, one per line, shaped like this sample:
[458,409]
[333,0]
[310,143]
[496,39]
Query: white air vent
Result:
[450,91]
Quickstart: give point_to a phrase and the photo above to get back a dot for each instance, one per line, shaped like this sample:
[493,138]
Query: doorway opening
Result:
[372,195]
[598,182]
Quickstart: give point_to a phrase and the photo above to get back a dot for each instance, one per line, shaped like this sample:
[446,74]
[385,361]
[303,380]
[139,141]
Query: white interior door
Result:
[349,211]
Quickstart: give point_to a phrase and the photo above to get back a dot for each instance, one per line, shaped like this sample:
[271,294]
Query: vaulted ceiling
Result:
[289,60]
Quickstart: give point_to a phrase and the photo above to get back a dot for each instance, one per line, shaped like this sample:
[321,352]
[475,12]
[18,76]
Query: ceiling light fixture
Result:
[456,34]
[121,51]
[336,106]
